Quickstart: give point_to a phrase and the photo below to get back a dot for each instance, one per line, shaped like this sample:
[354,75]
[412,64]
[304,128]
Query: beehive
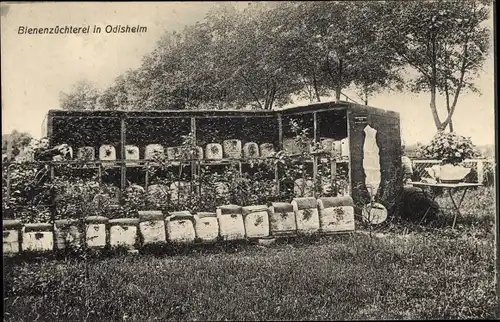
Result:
[250,150]
[344,149]
[256,220]
[180,227]
[38,237]
[152,227]
[282,219]
[266,150]
[86,153]
[307,215]
[198,153]
[292,146]
[231,224]
[123,232]
[68,233]
[213,151]
[95,231]
[11,234]
[65,154]
[131,154]
[154,151]
[336,214]
[328,145]
[175,153]
[107,152]
[206,226]
[232,148]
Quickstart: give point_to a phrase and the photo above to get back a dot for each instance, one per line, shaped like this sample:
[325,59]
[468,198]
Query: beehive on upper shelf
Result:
[107,152]
[231,136]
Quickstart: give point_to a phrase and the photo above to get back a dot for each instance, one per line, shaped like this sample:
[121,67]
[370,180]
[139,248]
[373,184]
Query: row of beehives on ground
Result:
[229,222]
[212,151]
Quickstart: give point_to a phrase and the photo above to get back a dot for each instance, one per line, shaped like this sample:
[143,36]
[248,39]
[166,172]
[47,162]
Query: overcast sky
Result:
[35,68]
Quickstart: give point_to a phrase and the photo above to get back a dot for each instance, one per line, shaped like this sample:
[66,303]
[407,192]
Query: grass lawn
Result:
[403,272]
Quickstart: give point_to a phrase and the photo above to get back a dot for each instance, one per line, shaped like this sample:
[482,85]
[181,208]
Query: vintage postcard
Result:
[287,160]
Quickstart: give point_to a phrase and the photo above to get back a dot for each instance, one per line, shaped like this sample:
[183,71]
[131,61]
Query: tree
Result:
[19,142]
[260,67]
[126,93]
[297,49]
[333,45]
[446,44]
[83,96]
[259,57]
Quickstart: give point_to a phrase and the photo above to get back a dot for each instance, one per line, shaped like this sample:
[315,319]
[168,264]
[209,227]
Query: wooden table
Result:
[450,187]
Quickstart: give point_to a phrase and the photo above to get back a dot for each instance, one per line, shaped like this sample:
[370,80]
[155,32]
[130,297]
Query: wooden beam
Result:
[315,127]
[349,184]
[280,132]
[193,162]
[123,130]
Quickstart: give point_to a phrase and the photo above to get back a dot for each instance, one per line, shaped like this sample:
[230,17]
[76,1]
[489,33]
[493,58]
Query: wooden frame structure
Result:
[330,119]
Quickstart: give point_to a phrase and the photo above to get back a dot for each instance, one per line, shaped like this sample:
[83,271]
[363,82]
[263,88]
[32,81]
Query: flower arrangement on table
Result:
[451,149]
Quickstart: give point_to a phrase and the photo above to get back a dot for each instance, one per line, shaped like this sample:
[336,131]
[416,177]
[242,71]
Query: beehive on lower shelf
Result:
[152,227]
[11,234]
[256,220]
[38,237]
[67,233]
[95,231]
[180,227]
[231,224]
[123,232]
[206,226]
[307,216]
[336,214]
[282,219]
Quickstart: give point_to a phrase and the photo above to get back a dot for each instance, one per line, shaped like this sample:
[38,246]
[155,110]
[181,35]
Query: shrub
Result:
[489,174]
[79,192]
[449,147]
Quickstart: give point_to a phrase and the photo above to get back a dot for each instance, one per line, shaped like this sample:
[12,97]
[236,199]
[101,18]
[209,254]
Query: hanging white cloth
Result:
[371,161]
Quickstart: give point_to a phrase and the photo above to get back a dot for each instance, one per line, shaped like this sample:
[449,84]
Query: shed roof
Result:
[331,105]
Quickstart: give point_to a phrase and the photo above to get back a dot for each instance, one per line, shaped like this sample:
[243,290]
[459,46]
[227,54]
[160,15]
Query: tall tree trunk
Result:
[338,87]
[435,115]
[433,85]
[459,87]
[247,83]
[450,124]
[315,84]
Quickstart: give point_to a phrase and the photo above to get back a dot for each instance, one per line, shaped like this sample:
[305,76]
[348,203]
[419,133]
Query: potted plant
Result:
[451,149]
